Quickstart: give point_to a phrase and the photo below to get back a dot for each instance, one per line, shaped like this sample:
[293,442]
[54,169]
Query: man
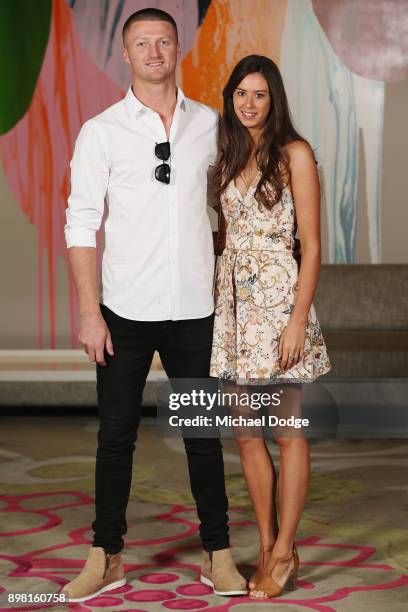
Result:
[148,155]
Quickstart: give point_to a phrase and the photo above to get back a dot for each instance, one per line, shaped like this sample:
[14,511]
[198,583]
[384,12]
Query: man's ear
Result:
[178,52]
[125,56]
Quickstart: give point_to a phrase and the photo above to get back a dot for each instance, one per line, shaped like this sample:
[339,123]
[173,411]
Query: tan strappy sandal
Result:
[261,565]
[266,584]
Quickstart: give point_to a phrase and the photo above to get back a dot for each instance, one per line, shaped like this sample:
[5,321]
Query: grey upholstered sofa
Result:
[363,312]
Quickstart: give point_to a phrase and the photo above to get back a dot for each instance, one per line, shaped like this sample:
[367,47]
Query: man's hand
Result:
[95,337]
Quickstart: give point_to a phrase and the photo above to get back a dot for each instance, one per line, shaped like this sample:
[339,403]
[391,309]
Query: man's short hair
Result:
[148,14]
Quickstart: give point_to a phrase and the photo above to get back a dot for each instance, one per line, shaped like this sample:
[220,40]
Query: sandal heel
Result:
[291,582]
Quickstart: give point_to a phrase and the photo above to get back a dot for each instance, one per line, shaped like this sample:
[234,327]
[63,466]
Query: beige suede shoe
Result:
[221,574]
[102,572]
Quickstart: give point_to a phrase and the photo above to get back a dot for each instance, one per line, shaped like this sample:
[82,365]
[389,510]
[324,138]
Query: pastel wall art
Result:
[61,64]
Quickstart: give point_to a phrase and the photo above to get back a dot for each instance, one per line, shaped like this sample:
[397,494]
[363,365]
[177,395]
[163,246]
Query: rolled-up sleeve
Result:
[89,182]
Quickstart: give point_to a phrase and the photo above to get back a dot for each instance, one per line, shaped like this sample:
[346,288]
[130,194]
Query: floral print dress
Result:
[255,289]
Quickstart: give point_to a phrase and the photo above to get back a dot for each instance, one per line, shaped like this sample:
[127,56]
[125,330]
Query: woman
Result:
[265,323]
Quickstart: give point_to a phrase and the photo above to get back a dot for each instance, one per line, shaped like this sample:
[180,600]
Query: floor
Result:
[352,540]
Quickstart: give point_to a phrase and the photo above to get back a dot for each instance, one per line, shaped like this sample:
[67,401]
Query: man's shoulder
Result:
[108,116]
[97,130]
[208,112]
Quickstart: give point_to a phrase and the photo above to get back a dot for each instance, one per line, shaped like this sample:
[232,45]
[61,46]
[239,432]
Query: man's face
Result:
[151,48]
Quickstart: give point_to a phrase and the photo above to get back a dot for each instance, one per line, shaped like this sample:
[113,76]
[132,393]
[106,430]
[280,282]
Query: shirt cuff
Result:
[80,236]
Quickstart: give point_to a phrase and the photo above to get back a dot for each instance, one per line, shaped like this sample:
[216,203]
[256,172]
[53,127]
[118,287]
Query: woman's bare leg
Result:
[260,476]
[294,478]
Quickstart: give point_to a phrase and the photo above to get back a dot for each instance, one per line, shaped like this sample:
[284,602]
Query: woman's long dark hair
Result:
[235,144]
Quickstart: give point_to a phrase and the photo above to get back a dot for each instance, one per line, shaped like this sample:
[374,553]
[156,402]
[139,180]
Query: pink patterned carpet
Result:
[347,563]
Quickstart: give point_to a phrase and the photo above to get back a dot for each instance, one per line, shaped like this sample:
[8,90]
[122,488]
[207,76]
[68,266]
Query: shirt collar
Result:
[136,107]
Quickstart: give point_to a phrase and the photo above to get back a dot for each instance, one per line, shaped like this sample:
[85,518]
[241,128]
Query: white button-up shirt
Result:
[158,257]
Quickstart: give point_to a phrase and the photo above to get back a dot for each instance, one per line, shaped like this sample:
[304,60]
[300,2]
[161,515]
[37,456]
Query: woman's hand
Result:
[291,344]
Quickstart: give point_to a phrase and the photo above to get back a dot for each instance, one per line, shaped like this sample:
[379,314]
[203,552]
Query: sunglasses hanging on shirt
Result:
[162,172]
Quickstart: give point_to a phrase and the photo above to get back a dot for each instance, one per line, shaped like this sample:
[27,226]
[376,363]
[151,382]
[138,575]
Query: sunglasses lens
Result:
[162,173]
[162,150]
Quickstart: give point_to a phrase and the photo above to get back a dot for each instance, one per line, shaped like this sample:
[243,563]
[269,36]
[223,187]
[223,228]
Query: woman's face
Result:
[252,101]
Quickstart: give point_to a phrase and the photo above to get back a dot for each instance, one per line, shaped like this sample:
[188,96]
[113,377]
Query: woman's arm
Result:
[306,193]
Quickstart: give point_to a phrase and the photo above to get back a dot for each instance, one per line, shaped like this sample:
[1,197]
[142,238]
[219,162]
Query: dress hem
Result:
[270,380]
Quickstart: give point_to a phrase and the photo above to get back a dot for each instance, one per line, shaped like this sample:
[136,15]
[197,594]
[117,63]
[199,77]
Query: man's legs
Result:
[185,351]
[120,387]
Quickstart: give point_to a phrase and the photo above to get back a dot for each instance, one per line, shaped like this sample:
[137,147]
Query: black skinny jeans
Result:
[184,348]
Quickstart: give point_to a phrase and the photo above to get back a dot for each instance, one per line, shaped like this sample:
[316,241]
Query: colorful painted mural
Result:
[335,58]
